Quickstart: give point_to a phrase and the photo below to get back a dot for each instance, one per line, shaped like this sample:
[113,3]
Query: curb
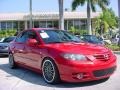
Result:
[116,52]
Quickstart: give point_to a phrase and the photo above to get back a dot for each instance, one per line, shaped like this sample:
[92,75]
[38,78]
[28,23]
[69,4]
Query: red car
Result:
[59,55]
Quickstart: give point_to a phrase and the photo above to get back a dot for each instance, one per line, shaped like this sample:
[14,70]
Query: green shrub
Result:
[113,47]
[7,33]
[75,31]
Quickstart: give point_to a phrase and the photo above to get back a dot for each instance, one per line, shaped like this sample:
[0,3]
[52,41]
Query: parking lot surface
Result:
[23,79]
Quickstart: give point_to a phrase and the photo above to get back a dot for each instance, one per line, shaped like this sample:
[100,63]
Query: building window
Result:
[77,24]
[49,24]
[28,24]
[70,24]
[15,25]
[55,24]
[83,24]
[36,24]
[9,25]
[3,25]
[42,24]
[21,25]
[65,25]
[0,25]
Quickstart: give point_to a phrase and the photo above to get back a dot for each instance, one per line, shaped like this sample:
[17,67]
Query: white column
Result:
[26,25]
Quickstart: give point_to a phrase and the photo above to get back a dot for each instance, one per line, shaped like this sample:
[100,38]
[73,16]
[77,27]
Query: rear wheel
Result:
[50,72]
[11,61]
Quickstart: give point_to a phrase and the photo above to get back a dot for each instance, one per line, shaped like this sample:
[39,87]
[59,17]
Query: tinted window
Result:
[22,37]
[9,39]
[91,38]
[32,35]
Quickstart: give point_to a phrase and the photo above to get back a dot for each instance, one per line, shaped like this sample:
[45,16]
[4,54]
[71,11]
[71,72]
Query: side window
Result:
[9,39]
[22,37]
[32,35]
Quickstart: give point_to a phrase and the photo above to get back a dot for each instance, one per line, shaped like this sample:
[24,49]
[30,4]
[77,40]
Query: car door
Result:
[19,48]
[32,52]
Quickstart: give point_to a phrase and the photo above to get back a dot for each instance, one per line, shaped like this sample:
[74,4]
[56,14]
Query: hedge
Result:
[7,33]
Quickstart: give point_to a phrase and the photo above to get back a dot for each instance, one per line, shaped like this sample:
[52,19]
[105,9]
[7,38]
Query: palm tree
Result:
[91,5]
[61,15]
[30,7]
[119,14]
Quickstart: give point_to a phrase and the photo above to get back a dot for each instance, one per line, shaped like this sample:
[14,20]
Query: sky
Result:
[10,6]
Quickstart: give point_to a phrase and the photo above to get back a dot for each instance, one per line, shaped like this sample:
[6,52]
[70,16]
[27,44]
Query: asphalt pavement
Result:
[23,79]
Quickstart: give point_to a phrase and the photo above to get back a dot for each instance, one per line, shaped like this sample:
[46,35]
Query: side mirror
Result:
[32,42]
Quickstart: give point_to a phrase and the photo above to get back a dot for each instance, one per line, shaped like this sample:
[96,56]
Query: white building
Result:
[20,21]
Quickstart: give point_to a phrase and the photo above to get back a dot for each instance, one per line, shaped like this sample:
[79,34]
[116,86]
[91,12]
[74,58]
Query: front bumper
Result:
[3,51]
[89,72]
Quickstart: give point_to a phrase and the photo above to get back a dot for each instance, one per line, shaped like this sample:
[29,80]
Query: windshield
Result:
[93,39]
[57,36]
[9,39]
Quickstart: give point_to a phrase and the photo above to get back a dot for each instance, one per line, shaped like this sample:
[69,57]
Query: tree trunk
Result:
[119,14]
[30,26]
[89,17]
[61,15]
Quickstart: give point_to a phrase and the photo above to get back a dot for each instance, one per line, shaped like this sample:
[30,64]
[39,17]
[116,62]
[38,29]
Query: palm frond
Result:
[93,5]
[103,4]
[76,3]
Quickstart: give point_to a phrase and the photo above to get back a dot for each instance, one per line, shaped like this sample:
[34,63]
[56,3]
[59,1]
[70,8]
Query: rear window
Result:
[9,39]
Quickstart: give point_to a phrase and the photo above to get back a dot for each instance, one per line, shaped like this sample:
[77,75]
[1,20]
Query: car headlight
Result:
[74,57]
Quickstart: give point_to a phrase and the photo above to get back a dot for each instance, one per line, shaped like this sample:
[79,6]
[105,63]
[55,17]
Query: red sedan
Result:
[59,55]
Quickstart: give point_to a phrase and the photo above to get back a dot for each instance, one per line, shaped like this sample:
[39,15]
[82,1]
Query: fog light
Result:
[80,75]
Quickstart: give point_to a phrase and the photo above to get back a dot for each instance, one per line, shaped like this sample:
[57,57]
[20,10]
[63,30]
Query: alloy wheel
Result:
[48,70]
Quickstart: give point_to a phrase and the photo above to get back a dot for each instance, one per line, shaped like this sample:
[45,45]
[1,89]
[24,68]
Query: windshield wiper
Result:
[57,42]
[75,41]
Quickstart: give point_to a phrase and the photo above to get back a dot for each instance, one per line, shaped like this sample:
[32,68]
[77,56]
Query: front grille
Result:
[100,73]
[3,47]
[102,56]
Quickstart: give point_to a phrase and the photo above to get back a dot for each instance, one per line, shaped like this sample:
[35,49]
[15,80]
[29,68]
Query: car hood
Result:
[79,48]
[4,44]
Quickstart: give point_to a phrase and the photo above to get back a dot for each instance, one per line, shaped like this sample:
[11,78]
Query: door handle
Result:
[20,51]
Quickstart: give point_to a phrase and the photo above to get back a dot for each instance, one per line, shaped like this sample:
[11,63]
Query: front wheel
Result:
[11,61]
[50,71]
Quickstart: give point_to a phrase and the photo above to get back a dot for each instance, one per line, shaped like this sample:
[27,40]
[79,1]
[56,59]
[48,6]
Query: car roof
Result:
[44,29]
[87,35]
[11,37]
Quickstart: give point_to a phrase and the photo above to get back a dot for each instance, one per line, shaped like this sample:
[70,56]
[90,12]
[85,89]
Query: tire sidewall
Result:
[11,61]
[56,74]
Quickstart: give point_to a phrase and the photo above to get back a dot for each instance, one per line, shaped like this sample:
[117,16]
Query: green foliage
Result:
[107,20]
[110,18]
[101,3]
[75,31]
[91,6]
[7,33]
[113,47]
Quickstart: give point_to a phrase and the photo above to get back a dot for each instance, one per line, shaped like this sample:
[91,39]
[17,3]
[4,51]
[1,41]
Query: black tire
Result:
[105,79]
[12,64]
[50,71]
